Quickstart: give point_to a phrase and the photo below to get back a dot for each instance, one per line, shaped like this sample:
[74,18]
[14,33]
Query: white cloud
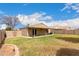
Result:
[73,23]
[67,6]
[71,6]
[3,26]
[34,18]
[43,17]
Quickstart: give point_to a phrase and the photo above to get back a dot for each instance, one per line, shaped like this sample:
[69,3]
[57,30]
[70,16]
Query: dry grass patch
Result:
[40,46]
[68,37]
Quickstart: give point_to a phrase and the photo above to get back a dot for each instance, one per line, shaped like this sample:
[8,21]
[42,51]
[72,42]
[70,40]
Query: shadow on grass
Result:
[69,39]
[67,52]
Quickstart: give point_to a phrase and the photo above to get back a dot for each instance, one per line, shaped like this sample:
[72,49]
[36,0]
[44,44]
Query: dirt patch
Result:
[9,50]
[67,52]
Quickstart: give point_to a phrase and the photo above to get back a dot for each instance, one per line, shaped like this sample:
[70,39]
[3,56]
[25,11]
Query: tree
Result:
[8,29]
[10,21]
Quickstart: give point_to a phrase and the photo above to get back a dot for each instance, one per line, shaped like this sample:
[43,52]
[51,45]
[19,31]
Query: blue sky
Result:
[53,9]
[57,11]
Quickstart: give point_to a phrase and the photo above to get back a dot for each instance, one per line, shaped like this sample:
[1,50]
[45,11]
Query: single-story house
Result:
[40,29]
[29,31]
[35,30]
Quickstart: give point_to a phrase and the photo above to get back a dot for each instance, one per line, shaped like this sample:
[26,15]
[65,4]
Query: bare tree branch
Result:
[10,21]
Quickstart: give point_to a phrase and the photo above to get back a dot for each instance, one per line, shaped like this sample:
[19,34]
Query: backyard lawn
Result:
[43,46]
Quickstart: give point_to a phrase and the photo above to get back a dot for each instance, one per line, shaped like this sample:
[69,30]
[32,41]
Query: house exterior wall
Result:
[30,32]
[39,31]
[42,32]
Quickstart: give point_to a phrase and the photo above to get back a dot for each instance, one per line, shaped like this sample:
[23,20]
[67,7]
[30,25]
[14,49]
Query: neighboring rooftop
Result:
[61,27]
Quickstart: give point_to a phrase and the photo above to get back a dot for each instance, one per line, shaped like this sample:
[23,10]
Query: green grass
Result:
[37,46]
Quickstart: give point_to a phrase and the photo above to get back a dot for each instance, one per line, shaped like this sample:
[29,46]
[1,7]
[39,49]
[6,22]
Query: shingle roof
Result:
[39,25]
